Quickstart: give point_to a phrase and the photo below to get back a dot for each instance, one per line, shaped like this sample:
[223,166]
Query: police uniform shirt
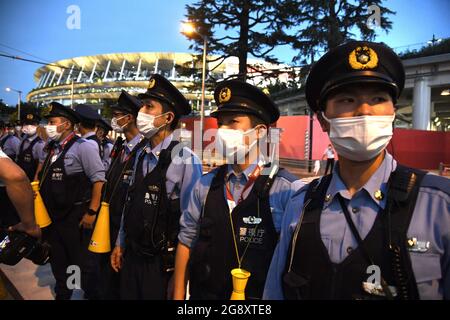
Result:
[82,157]
[130,145]
[181,175]
[430,223]
[93,142]
[38,149]
[279,195]
[11,146]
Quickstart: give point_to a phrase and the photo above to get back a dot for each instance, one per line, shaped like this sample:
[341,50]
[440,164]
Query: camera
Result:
[15,245]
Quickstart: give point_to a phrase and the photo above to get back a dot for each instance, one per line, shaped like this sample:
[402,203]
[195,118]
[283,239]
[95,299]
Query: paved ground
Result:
[33,282]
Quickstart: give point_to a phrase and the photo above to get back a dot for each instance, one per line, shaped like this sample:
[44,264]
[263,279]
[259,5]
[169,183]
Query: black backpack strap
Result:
[403,186]
[312,207]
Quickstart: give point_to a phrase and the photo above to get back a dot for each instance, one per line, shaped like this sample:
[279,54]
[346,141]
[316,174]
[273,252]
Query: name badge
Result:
[415,245]
[252,220]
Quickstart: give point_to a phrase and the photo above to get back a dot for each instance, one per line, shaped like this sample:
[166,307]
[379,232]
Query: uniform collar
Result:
[161,146]
[133,142]
[376,185]
[247,172]
[89,134]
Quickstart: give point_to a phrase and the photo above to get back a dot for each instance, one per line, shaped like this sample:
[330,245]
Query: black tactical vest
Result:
[309,273]
[63,193]
[25,158]
[213,256]
[151,220]
[116,187]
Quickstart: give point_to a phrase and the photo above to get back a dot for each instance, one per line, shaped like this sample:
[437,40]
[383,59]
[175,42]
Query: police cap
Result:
[87,113]
[354,62]
[30,117]
[58,110]
[241,97]
[127,104]
[162,89]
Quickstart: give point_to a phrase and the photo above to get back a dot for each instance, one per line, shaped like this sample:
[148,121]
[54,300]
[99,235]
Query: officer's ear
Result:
[169,117]
[261,130]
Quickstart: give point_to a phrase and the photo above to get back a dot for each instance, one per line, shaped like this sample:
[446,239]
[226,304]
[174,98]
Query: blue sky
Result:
[38,27]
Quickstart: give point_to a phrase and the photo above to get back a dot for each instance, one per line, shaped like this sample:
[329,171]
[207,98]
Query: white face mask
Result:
[230,142]
[52,131]
[115,126]
[18,128]
[360,138]
[146,124]
[29,129]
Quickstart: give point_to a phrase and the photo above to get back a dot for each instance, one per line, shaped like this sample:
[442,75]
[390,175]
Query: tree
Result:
[240,28]
[324,24]
[429,50]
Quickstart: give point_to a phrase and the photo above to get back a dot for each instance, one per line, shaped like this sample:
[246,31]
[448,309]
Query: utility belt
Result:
[149,254]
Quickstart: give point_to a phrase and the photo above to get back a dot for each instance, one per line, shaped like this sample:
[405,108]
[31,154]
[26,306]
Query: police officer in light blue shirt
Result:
[31,148]
[257,201]
[163,177]
[8,141]
[373,229]
[86,127]
[71,181]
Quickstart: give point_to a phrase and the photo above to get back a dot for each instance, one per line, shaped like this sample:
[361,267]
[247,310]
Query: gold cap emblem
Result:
[363,58]
[151,83]
[30,116]
[50,107]
[224,95]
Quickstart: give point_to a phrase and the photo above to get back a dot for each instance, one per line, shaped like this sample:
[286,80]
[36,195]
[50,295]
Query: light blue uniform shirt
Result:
[430,222]
[38,149]
[279,195]
[11,146]
[83,156]
[181,174]
[93,142]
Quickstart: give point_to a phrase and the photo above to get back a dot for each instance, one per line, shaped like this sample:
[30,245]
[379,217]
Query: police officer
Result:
[164,175]
[118,179]
[102,130]
[71,182]
[31,147]
[234,212]
[373,229]
[87,125]
[9,143]
[17,130]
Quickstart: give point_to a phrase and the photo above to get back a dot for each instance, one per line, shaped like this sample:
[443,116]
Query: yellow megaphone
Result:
[100,241]
[40,212]
[240,278]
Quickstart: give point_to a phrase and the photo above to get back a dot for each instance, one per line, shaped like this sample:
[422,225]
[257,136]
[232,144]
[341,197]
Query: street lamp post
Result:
[18,103]
[188,29]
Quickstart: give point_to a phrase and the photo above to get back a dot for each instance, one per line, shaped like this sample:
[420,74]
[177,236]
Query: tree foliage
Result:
[240,28]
